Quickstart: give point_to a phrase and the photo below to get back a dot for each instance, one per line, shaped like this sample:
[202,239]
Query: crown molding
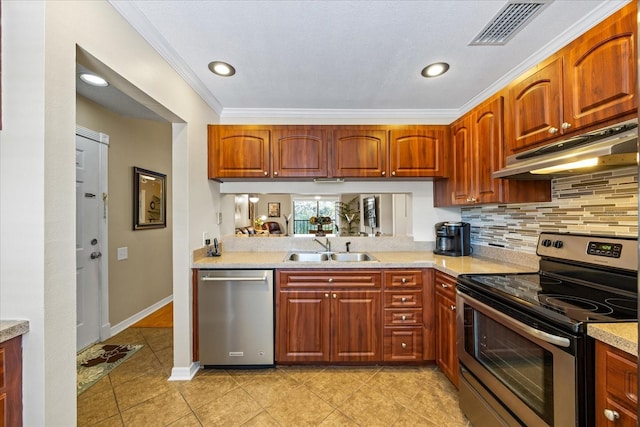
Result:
[141,24]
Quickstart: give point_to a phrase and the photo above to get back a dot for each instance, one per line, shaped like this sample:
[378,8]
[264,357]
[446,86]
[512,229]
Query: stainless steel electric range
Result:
[525,357]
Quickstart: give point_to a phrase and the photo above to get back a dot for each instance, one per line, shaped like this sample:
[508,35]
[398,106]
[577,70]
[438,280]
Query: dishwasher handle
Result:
[233,279]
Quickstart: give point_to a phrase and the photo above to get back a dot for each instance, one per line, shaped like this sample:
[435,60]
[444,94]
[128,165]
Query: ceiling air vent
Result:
[506,24]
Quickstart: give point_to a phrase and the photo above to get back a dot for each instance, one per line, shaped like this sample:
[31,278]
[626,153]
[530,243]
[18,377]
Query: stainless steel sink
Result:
[307,256]
[352,257]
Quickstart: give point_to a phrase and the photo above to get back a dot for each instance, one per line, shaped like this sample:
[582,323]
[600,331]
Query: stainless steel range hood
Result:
[607,148]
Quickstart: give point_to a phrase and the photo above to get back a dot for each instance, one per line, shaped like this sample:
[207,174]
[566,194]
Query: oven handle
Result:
[544,336]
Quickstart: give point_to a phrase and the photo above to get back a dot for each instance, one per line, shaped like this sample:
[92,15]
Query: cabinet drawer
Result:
[400,317]
[411,279]
[324,279]
[445,285]
[402,344]
[404,299]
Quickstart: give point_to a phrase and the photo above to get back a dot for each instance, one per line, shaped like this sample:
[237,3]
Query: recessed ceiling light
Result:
[222,68]
[93,79]
[435,69]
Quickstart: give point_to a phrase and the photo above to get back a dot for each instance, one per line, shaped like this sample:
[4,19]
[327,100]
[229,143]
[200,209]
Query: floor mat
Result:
[100,359]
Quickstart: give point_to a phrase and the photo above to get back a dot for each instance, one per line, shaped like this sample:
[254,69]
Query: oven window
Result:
[521,365]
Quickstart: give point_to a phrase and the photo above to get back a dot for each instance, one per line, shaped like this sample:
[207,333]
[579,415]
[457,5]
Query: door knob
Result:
[95,255]
[611,415]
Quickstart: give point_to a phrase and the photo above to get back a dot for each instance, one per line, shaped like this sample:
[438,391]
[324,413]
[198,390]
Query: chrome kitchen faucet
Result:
[326,245]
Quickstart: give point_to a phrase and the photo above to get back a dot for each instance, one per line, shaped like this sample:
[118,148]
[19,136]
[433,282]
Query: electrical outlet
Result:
[219,218]
[205,236]
[123,253]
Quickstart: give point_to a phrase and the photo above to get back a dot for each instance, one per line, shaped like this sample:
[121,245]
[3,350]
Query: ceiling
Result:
[349,58]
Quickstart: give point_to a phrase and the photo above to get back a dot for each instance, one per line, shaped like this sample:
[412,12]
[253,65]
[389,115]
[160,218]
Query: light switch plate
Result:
[123,253]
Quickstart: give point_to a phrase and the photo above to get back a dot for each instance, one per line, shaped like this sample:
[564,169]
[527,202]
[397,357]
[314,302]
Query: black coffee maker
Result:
[453,238]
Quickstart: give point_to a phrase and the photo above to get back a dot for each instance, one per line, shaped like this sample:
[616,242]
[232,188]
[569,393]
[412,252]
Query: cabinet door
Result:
[356,321]
[417,151]
[487,151]
[536,108]
[359,152]
[239,152]
[299,152]
[600,72]
[303,326]
[446,353]
[616,386]
[460,162]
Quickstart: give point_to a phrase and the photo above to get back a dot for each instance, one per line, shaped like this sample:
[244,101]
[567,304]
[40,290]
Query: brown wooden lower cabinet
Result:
[445,323]
[11,382]
[359,316]
[616,387]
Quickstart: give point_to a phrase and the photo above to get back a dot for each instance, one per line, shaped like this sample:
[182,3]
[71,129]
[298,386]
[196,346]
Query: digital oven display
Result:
[611,250]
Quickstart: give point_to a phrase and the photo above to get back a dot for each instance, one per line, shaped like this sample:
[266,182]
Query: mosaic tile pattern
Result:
[599,203]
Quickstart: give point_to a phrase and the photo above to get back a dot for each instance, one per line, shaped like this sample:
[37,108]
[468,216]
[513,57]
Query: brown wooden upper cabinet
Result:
[417,151]
[319,151]
[591,81]
[299,152]
[239,152]
[359,152]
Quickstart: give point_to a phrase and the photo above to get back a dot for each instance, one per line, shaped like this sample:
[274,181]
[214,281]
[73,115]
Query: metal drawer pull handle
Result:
[404,345]
[233,279]
[453,307]
[335,296]
[404,317]
[403,280]
[404,299]
[611,415]
[330,280]
[326,295]
[444,285]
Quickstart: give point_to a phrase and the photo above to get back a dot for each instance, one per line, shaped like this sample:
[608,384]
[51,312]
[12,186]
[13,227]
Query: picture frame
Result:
[149,199]
[273,209]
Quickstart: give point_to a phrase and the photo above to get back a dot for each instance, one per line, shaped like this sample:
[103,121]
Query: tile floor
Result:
[137,393]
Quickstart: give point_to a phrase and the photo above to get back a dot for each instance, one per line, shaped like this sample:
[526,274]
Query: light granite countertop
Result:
[12,328]
[623,336]
[409,259]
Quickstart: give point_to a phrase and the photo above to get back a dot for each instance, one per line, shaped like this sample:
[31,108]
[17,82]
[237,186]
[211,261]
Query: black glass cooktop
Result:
[576,302]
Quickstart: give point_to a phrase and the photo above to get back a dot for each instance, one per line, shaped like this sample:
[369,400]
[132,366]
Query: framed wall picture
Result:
[273,209]
[149,199]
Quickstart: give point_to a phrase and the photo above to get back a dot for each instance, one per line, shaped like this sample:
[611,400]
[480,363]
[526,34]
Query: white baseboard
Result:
[184,374]
[105,332]
[139,316]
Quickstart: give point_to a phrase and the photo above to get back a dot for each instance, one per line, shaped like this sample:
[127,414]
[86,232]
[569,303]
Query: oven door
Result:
[530,371]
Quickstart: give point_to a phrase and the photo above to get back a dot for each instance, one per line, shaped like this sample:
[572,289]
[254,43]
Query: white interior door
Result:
[90,216]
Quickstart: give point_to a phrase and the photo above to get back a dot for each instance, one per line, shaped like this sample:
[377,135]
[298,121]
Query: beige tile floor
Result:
[137,393]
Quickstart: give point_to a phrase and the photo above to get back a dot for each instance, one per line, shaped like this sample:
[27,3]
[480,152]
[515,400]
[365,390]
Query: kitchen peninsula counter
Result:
[413,259]
[10,329]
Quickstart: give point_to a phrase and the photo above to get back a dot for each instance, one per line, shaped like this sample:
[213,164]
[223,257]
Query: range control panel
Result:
[618,252]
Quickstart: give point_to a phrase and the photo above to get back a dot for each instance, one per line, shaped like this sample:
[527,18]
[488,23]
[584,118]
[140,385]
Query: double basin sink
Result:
[329,256]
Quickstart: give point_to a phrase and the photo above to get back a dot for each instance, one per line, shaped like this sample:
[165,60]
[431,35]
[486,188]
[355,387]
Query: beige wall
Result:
[145,277]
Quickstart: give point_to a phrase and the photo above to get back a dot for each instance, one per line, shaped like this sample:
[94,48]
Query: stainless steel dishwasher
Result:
[236,318]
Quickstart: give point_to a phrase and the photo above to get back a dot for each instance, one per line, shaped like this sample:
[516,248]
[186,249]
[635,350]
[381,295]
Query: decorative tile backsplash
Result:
[599,203]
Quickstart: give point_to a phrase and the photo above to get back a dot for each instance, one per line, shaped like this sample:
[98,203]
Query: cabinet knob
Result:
[404,345]
[266,173]
[403,299]
[453,307]
[553,130]
[404,317]
[383,173]
[326,295]
[444,285]
[566,126]
[393,173]
[611,415]
[330,280]
[403,280]
[276,173]
[335,296]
